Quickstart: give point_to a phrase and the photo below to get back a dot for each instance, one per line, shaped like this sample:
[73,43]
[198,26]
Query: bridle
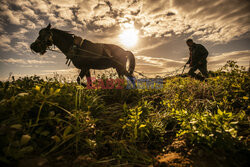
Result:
[48,42]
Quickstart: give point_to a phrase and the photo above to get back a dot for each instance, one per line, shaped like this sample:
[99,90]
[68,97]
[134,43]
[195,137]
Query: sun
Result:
[129,37]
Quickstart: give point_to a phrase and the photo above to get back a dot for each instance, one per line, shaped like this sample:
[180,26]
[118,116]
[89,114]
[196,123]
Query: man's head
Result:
[190,42]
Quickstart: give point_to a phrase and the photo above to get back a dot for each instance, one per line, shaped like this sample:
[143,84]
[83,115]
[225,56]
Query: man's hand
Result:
[190,64]
[187,64]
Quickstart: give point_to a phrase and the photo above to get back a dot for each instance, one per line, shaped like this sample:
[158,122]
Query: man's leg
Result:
[203,70]
[192,70]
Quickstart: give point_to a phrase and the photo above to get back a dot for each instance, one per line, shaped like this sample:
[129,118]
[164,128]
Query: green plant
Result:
[121,127]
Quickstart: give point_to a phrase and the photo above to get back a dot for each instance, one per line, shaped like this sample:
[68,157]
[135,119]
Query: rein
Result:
[68,61]
[166,75]
[78,45]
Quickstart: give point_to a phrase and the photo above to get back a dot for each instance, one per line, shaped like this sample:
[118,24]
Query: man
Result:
[197,59]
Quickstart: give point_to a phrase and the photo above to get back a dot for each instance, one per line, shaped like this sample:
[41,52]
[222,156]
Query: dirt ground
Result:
[178,155]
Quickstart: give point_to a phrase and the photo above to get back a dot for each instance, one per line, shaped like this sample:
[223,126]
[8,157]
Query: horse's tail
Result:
[131,59]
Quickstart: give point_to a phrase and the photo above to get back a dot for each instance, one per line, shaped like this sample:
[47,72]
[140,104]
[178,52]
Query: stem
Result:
[39,112]
[76,99]
[72,115]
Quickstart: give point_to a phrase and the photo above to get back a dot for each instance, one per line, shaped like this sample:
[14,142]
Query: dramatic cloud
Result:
[152,66]
[215,20]
[211,20]
[5,43]
[163,27]
[163,62]
[242,57]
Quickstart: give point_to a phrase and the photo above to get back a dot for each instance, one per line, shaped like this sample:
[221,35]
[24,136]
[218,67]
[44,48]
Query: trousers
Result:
[201,67]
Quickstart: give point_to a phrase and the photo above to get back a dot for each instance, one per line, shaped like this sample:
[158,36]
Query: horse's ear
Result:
[48,27]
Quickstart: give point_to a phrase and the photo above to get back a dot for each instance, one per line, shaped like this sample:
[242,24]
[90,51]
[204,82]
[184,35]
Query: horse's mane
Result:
[64,39]
[67,34]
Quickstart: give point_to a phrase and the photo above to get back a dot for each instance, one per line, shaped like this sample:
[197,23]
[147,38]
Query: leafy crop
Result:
[52,119]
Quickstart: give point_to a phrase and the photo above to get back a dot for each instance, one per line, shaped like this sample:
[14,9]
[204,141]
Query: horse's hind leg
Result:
[131,78]
[88,76]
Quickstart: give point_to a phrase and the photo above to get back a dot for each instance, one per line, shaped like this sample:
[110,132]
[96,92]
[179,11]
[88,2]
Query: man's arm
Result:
[189,60]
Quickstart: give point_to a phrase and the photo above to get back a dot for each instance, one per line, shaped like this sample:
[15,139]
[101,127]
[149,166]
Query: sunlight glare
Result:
[129,37]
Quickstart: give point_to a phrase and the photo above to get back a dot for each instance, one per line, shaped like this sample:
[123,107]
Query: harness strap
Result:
[77,44]
[78,41]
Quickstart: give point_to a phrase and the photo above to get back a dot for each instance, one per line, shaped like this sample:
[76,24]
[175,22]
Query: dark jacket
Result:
[198,53]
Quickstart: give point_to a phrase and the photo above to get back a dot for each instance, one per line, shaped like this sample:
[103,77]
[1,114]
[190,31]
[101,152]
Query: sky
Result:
[162,28]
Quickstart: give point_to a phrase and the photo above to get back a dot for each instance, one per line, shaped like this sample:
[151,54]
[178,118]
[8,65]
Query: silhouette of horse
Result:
[84,54]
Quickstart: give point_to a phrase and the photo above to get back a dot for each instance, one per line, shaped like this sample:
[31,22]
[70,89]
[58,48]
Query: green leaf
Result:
[27,149]
[56,138]
[16,126]
[67,131]
[142,126]
[125,107]
[57,91]
[44,133]
[193,121]
[43,89]
[25,139]
[23,94]
[68,136]
[234,123]
[51,91]
[219,112]
[139,113]
[37,88]
[245,98]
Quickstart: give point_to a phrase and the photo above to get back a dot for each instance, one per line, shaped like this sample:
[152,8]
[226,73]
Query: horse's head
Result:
[43,41]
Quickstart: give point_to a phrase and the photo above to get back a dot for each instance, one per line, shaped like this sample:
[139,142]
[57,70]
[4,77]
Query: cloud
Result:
[12,16]
[163,62]
[149,46]
[225,20]
[5,43]
[207,20]
[158,22]
[151,66]
[241,57]
[15,42]
[20,34]
[23,61]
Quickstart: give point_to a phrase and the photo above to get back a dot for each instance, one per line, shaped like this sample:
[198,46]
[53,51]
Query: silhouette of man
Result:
[197,59]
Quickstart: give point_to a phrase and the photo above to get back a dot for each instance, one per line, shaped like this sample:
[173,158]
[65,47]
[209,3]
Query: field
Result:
[186,123]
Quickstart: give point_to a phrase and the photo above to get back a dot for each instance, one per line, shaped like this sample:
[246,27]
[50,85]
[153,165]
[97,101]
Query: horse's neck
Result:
[61,42]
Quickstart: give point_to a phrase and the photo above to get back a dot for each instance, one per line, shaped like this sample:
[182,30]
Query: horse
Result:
[84,54]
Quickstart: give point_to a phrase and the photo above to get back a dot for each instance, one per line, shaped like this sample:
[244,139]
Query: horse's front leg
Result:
[88,76]
[81,75]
